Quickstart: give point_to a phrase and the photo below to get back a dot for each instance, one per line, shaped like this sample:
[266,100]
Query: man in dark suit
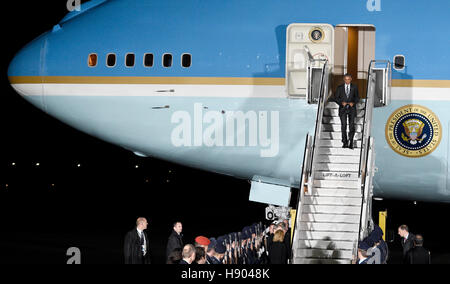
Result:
[418,254]
[407,240]
[136,245]
[347,97]
[175,239]
[188,254]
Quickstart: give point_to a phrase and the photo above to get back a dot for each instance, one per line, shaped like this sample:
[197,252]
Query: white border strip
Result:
[210,91]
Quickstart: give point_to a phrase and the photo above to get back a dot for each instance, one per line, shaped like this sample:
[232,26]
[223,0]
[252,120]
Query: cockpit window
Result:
[111,60]
[92,60]
[130,59]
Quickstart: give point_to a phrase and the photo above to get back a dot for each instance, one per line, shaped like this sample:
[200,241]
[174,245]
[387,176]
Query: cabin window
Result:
[399,62]
[130,59]
[92,60]
[111,60]
[167,60]
[186,60]
[148,60]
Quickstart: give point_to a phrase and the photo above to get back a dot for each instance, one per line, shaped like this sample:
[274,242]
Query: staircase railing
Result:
[305,178]
[367,156]
[308,158]
[368,110]
[323,97]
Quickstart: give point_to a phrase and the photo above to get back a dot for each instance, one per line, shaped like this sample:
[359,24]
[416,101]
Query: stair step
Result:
[337,127]
[333,236]
[333,105]
[325,244]
[339,227]
[335,192]
[321,261]
[338,151]
[335,175]
[325,254]
[324,200]
[337,184]
[336,167]
[337,120]
[337,135]
[334,112]
[330,218]
[337,143]
[332,209]
[337,159]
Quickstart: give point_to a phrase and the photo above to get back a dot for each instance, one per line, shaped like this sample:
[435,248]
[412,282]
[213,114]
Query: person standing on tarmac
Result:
[175,239]
[278,252]
[407,240]
[136,244]
[418,254]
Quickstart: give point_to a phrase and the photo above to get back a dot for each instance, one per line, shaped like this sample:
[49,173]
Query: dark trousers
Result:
[351,114]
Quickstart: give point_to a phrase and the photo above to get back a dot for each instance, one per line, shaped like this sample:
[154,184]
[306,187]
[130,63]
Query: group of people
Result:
[413,250]
[374,250]
[255,244]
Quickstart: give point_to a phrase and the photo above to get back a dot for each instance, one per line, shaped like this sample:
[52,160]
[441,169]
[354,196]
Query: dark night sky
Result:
[47,209]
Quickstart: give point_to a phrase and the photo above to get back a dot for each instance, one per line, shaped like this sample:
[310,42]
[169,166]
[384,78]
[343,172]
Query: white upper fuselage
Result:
[228,112]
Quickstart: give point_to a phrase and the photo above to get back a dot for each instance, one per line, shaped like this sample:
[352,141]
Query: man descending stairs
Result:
[329,223]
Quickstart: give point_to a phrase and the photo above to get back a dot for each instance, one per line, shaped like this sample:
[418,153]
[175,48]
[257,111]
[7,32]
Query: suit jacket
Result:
[133,248]
[209,260]
[175,242]
[407,245]
[215,260]
[340,96]
[418,255]
[183,262]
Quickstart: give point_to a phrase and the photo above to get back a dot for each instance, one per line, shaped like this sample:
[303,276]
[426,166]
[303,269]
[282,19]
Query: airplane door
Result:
[306,42]
[354,49]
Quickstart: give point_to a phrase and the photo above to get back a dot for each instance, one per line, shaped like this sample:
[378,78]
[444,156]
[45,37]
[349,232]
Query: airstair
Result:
[334,210]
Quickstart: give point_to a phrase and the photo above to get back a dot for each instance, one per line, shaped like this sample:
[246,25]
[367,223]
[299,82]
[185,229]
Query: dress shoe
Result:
[351,146]
[345,145]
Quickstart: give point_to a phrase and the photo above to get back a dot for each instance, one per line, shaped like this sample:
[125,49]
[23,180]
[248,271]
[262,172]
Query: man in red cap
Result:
[202,242]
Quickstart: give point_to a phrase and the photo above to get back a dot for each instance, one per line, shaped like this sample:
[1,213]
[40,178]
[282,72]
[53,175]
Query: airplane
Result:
[222,86]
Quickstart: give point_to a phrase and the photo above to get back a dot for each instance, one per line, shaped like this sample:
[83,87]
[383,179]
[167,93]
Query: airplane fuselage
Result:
[228,111]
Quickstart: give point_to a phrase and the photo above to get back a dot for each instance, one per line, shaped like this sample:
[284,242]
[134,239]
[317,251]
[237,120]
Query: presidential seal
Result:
[316,35]
[413,131]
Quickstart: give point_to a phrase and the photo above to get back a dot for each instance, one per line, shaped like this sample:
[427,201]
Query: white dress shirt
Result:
[144,246]
[347,87]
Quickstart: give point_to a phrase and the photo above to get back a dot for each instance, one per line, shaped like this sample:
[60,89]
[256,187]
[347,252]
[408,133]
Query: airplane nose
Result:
[26,72]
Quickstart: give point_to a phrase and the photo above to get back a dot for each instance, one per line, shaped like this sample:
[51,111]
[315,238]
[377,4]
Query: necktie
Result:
[347,91]
[143,243]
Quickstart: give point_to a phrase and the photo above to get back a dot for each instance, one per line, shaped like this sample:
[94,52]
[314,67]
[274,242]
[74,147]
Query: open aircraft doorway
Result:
[354,49]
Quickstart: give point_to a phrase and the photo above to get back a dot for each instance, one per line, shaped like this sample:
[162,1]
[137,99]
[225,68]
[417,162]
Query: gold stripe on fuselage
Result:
[147,80]
[195,81]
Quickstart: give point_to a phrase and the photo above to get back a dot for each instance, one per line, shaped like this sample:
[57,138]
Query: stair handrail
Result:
[368,111]
[367,161]
[366,207]
[303,183]
[323,97]
[310,149]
